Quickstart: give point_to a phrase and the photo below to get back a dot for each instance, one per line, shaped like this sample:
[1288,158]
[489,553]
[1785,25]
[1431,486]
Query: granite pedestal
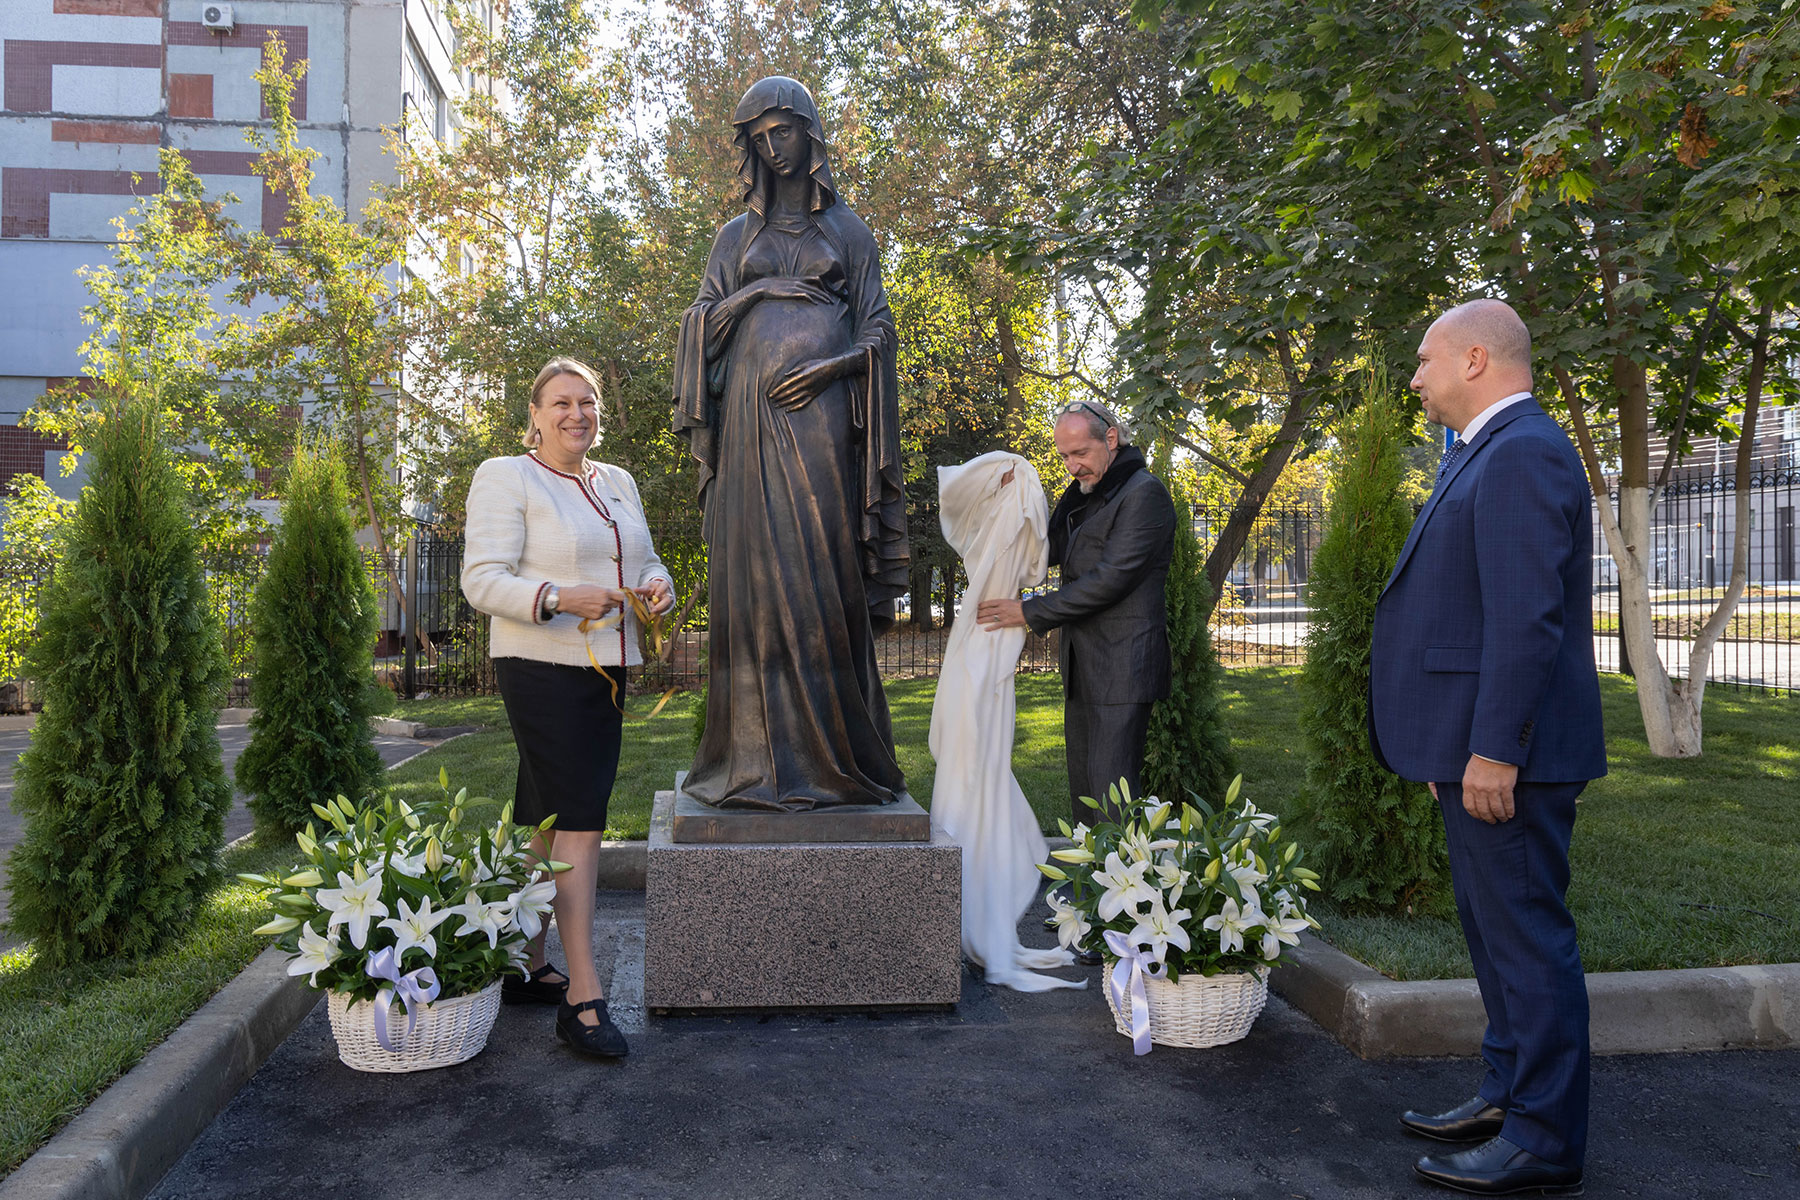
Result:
[796,921]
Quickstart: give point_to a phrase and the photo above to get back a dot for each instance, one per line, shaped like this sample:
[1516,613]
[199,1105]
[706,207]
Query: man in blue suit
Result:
[1482,685]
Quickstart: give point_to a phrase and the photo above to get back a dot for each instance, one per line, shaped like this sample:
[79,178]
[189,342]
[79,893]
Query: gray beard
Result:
[1086,488]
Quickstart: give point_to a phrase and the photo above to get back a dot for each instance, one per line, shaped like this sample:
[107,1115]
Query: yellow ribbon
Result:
[655,632]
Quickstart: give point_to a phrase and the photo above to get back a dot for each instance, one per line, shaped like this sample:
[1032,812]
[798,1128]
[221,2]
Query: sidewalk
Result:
[1010,1095]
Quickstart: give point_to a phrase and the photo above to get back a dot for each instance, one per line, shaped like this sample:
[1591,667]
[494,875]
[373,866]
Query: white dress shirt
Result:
[1481,419]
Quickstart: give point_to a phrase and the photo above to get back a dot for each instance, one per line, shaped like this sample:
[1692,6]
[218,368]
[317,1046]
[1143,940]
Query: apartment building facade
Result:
[92,90]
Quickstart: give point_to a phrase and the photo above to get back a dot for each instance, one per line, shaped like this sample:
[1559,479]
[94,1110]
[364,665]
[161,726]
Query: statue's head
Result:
[778,135]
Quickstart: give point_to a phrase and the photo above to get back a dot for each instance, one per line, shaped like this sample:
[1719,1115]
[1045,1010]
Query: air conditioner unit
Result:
[218,18]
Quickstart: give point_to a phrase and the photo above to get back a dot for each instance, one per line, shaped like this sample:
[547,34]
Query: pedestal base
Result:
[800,925]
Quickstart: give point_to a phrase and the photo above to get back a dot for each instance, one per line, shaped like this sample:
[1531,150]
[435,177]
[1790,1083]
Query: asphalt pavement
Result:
[238,822]
[1009,1095]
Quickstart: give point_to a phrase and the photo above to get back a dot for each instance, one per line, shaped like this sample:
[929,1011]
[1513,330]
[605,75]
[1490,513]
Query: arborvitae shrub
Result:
[1375,838]
[313,680]
[123,791]
[1189,746]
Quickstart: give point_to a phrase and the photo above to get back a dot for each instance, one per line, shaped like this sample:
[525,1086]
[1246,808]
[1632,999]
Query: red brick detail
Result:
[111,8]
[136,133]
[239,162]
[190,95]
[28,65]
[192,33]
[22,453]
[25,194]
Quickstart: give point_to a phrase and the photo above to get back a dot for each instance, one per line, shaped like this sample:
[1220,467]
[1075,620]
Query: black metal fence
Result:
[434,642]
[1692,528]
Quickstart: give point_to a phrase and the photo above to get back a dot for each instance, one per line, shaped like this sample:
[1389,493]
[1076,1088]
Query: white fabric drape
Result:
[998,528]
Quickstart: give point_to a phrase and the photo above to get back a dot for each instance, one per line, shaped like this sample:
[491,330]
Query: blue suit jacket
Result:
[1483,639]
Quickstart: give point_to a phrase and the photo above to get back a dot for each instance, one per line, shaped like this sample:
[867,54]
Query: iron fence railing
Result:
[434,642]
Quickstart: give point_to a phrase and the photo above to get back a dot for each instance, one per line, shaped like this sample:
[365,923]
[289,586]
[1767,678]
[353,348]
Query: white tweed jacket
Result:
[531,526]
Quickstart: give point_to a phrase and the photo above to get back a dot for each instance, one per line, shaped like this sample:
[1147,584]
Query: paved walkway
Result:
[238,822]
[1010,1095]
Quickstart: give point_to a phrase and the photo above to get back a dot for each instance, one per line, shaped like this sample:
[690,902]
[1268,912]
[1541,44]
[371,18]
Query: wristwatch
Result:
[551,599]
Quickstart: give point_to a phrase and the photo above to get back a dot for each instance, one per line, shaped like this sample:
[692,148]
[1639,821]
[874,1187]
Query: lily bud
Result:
[310,878]
[279,925]
[434,855]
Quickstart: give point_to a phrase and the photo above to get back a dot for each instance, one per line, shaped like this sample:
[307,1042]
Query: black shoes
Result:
[1471,1121]
[1499,1168]
[601,1041]
[1089,958]
[535,989]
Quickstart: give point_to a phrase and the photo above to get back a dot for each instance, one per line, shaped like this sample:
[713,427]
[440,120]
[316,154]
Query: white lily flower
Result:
[1256,816]
[1170,875]
[491,919]
[413,927]
[1159,929]
[410,865]
[1232,923]
[531,904]
[1125,886]
[316,953]
[353,904]
[1135,845]
[1071,927]
[1245,872]
[1278,931]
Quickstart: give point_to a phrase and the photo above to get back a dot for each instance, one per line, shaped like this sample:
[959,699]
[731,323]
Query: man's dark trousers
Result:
[1105,745]
[1510,881]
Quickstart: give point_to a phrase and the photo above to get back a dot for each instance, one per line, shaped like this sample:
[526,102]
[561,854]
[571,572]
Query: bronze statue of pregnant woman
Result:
[785,391]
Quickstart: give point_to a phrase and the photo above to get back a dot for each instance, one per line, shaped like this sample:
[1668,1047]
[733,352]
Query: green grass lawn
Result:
[655,749]
[1675,864]
[65,1035]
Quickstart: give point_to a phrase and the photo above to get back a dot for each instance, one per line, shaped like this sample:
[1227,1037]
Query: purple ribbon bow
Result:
[1125,984]
[414,988]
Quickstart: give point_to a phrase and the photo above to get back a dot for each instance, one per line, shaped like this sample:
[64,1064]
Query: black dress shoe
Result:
[1499,1168]
[601,1041]
[1471,1121]
[537,988]
[1089,958]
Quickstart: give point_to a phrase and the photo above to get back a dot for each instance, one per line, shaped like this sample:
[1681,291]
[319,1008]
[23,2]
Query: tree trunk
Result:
[921,598]
[1700,653]
[1011,371]
[1302,399]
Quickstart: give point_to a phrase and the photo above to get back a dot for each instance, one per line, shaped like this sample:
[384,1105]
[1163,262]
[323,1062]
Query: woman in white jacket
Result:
[554,539]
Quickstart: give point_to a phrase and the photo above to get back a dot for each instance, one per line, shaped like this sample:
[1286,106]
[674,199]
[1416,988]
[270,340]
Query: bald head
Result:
[1473,356]
[1493,325]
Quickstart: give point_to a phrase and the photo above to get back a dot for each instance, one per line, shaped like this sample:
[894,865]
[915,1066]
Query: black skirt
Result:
[566,726]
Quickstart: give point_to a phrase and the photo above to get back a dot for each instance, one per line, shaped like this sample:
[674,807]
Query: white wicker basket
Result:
[1200,1010]
[448,1031]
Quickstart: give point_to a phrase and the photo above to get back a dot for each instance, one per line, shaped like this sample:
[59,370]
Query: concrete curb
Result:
[127,1139]
[1633,1012]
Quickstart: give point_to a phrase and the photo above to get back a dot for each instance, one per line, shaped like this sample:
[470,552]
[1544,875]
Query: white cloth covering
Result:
[999,531]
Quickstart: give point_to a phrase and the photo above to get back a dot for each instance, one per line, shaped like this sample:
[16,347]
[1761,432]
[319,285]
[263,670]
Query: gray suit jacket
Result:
[1111,607]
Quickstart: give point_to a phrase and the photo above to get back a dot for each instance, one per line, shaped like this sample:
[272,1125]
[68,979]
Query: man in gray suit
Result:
[1112,534]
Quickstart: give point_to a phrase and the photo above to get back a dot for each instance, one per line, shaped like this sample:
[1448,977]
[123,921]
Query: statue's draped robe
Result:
[803,516]
[999,530]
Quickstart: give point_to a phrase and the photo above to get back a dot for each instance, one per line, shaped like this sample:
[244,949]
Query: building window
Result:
[423,94]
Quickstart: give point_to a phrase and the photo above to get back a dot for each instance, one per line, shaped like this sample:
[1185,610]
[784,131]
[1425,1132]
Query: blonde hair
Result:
[551,369]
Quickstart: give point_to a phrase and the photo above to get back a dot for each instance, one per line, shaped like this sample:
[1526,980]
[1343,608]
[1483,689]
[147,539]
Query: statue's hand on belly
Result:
[796,389]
